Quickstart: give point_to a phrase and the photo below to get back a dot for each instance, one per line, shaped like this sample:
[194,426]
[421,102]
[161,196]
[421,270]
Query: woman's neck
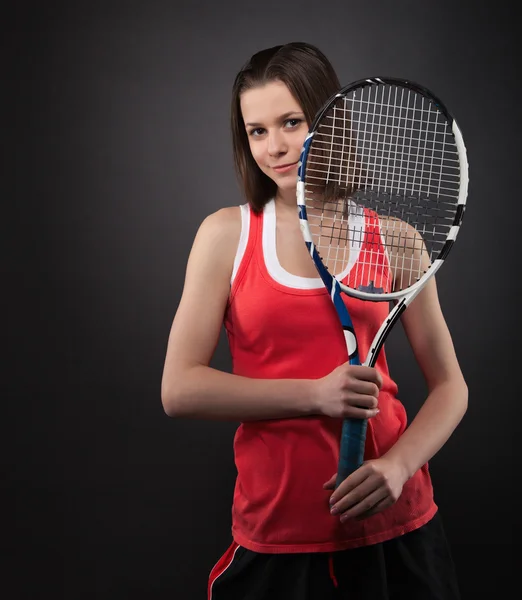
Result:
[286,199]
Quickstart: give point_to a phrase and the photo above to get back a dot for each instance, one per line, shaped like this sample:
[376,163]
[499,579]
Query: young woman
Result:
[377,536]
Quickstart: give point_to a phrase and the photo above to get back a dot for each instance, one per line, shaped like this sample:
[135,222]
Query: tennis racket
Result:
[381,193]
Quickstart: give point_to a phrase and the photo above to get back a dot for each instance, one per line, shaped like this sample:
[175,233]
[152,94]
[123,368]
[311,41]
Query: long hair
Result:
[311,79]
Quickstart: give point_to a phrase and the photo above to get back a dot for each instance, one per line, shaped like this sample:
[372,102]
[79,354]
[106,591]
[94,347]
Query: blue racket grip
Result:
[353,438]
[351,455]
[353,434]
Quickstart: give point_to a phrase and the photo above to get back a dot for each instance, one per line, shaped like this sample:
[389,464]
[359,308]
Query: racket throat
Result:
[351,344]
[385,329]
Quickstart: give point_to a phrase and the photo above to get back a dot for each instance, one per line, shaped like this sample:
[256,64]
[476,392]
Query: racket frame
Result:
[354,430]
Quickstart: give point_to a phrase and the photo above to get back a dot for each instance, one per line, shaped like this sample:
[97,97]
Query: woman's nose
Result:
[276,143]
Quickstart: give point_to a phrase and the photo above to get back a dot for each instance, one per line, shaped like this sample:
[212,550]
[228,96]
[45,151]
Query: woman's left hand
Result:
[375,485]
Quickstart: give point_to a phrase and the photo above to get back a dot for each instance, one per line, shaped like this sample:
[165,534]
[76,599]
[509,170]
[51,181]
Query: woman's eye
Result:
[257,132]
[293,122]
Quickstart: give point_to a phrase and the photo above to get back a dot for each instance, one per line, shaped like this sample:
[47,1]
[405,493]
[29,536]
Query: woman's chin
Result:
[286,183]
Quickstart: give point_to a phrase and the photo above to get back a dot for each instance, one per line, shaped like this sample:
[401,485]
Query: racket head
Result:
[382,187]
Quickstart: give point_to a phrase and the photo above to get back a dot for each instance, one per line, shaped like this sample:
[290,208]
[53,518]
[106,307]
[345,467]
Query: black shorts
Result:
[414,566]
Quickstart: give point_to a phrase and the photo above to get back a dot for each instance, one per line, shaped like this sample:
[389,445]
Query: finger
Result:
[365,388]
[377,508]
[330,484]
[356,495]
[350,483]
[369,374]
[354,412]
[365,505]
[379,379]
[362,400]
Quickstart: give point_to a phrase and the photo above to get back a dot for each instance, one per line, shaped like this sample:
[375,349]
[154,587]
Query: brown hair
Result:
[311,79]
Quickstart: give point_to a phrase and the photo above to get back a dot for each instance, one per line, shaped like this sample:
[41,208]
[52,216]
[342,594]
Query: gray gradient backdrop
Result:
[117,146]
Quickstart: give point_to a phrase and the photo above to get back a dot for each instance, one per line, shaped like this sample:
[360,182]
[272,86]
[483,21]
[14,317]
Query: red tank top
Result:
[281,326]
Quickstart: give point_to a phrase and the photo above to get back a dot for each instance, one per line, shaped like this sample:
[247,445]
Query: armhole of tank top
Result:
[371,221]
[376,222]
[244,249]
[243,241]
[389,275]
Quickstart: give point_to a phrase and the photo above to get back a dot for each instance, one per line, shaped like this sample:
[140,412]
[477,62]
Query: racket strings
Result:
[381,185]
[394,246]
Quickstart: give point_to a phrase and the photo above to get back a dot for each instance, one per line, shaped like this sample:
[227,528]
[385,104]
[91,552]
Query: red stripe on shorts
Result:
[221,566]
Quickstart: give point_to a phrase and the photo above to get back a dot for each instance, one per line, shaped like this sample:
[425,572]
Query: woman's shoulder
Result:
[222,226]
[218,237]
[228,217]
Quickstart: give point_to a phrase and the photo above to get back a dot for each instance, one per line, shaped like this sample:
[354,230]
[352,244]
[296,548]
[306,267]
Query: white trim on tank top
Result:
[273,266]
[281,275]
[243,239]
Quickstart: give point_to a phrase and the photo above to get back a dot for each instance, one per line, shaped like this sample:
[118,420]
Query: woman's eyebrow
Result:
[281,118]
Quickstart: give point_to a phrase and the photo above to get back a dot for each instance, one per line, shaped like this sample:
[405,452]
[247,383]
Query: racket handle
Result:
[353,437]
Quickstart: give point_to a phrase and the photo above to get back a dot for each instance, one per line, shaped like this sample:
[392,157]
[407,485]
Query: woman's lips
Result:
[284,168]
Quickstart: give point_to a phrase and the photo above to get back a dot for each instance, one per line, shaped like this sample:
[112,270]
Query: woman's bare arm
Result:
[190,388]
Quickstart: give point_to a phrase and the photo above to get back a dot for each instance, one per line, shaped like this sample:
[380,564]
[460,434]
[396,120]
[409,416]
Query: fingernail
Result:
[332,501]
[334,510]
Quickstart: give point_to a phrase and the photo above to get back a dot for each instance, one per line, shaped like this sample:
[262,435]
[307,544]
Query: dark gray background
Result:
[116,147]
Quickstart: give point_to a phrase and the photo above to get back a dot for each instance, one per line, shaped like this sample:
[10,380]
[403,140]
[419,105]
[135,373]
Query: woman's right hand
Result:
[349,391]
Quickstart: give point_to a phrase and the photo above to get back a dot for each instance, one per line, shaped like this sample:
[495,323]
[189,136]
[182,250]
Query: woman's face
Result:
[276,129]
